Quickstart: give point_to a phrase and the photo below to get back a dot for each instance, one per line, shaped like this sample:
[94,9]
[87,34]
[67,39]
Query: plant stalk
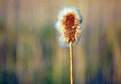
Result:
[71,64]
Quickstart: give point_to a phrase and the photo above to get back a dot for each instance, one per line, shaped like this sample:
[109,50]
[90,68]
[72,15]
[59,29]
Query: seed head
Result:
[69,26]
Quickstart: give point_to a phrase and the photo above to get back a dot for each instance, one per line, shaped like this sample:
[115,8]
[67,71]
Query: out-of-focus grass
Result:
[29,49]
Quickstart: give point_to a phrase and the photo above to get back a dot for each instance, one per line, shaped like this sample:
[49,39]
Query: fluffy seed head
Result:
[69,25]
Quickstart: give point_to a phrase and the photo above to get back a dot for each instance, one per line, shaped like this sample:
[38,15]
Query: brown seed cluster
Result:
[70,27]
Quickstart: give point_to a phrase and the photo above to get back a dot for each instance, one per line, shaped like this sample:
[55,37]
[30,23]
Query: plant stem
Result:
[71,63]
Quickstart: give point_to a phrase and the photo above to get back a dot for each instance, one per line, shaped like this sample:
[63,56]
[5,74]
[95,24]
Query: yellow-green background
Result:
[29,49]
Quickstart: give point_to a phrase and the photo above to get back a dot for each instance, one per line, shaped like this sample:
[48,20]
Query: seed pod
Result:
[69,26]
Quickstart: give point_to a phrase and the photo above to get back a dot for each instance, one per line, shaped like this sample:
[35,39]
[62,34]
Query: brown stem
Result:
[71,63]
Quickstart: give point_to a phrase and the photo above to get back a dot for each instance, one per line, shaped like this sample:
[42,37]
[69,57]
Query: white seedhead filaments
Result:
[69,26]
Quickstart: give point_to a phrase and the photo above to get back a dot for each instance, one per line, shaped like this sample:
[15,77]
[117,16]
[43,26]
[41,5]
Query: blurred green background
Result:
[29,49]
